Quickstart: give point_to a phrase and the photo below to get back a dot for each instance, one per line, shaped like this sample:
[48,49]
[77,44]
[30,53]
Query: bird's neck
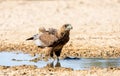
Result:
[61,33]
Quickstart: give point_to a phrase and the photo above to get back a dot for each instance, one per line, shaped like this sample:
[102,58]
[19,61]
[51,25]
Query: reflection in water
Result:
[13,58]
[86,63]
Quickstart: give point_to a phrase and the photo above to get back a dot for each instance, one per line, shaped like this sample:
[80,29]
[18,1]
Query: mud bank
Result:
[68,50]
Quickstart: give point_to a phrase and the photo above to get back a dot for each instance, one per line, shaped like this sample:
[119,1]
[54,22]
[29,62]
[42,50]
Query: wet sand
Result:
[96,31]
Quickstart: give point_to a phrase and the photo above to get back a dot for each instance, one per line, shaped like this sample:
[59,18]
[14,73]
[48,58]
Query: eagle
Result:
[53,39]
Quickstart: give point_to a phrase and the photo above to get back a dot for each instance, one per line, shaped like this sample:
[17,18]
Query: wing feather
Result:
[50,30]
[48,39]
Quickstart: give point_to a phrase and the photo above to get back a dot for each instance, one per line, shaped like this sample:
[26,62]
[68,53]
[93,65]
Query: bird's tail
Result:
[31,38]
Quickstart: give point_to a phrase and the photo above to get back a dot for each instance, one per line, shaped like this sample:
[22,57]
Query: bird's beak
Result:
[31,38]
[70,27]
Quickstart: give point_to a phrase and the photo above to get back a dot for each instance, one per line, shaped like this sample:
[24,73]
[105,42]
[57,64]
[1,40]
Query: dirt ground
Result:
[96,31]
[33,71]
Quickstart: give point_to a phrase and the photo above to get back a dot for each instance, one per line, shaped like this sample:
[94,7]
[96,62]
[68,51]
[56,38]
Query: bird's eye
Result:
[66,26]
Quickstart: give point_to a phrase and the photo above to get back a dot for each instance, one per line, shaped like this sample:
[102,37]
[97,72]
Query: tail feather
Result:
[31,38]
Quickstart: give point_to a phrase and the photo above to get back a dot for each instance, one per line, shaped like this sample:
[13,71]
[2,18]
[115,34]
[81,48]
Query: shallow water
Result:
[19,58]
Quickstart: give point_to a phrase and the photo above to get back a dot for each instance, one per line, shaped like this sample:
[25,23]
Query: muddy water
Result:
[19,58]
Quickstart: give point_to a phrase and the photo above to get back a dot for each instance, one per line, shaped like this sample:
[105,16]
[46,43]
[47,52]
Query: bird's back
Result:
[61,41]
[48,39]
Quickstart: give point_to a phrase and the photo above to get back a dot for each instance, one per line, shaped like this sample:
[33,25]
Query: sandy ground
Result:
[96,30]
[33,71]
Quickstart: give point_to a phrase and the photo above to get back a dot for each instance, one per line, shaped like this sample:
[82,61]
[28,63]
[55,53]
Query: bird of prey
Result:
[53,38]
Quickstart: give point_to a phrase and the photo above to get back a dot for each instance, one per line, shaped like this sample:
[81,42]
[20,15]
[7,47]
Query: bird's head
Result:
[67,27]
[34,37]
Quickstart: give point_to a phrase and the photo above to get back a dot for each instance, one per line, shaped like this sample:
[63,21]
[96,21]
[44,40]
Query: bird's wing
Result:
[42,30]
[52,31]
[48,39]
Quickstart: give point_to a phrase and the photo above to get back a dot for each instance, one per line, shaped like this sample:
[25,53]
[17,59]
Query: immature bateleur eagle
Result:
[53,38]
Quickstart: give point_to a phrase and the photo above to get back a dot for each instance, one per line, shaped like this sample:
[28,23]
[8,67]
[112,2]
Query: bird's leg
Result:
[55,61]
[58,55]
[58,63]
[52,63]
[58,59]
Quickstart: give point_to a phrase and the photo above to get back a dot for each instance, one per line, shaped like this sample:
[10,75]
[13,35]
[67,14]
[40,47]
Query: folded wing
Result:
[48,38]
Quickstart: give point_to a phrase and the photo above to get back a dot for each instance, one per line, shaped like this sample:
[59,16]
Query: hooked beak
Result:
[31,38]
[69,27]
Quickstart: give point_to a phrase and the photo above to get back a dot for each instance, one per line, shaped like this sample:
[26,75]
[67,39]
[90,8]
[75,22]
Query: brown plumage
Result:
[53,38]
[50,30]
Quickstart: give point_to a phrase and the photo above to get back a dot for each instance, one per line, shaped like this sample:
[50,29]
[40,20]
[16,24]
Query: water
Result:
[19,58]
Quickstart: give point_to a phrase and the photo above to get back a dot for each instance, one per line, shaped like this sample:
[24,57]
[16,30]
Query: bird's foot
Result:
[51,64]
[58,64]
[55,63]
